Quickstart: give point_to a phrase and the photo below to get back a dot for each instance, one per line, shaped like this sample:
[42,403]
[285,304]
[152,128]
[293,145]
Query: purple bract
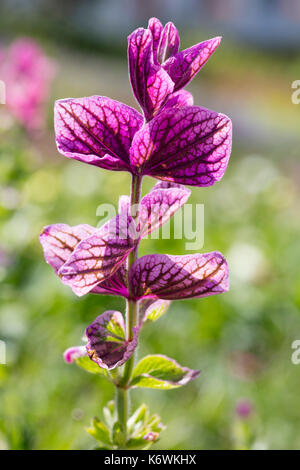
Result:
[173,141]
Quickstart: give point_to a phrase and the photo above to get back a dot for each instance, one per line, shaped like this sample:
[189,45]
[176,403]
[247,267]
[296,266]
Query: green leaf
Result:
[90,366]
[118,435]
[100,432]
[161,372]
[109,413]
[143,429]
[116,329]
[139,417]
[138,444]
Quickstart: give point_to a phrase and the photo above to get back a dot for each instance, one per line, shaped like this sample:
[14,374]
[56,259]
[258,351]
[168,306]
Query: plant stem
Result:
[132,315]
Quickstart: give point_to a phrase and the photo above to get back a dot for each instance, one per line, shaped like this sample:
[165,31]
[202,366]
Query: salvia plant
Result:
[177,143]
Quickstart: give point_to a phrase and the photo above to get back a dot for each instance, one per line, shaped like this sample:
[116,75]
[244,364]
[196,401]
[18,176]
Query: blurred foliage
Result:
[241,340]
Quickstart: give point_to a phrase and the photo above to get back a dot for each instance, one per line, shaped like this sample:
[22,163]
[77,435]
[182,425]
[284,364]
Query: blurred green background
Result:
[240,340]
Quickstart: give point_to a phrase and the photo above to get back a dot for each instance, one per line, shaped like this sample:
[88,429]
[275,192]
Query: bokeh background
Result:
[241,340]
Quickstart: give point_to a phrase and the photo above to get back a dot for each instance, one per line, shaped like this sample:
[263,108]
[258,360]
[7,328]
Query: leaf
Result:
[118,435]
[156,28]
[179,99]
[138,419]
[150,83]
[107,345]
[90,366]
[109,413]
[96,130]
[60,240]
[169,42]
[161,372]
[100,432]
[179,277]
[97,257]
[189,145]
[143,429]
[186,64]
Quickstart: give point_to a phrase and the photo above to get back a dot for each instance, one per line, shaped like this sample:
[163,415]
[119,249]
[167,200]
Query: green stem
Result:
[122,409]
[132,314]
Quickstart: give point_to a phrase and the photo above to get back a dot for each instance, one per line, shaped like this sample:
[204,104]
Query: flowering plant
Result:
[177,143]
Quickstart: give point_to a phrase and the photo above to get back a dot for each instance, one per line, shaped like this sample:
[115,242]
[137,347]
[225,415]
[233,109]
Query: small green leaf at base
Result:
[161,372]
[100,432]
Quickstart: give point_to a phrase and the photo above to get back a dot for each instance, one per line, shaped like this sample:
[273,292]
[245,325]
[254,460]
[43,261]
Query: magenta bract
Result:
[179,277]
[150,83]
[107,345]
[173,140]
[96,130]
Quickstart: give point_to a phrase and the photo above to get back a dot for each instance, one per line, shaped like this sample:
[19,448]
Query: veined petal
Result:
[190,145]
[179,99]
[107,345]
[169,42]
[96,130]
[156,29]
[179,277]
[183,66]
[159,206]
[59,241]
[151,84]
[167,185]
[115,285]
[96,258]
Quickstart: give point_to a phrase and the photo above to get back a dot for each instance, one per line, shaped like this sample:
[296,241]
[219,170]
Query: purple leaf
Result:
[159,206]
[59,241]
[183,66]
[167,185]
[156,29]
[190,145]
[169,43]
[179,277]
[107,345]
[115,285]
[96,258]
[151,84]
[96,130]
[179,99]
